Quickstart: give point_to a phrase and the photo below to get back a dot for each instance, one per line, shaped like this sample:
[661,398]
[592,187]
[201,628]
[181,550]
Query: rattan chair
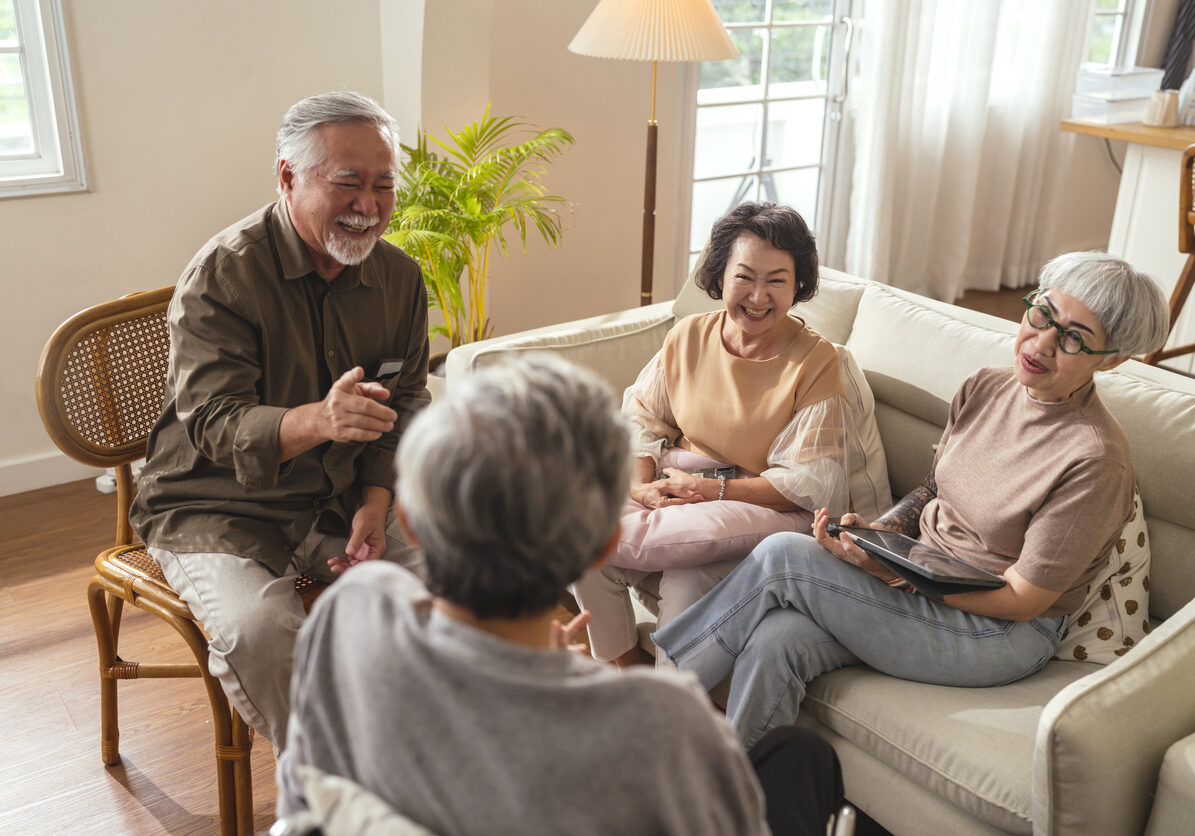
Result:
[1186,244]
[100,385]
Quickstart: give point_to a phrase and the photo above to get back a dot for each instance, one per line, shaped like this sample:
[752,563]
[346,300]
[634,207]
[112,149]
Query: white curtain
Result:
[959,158]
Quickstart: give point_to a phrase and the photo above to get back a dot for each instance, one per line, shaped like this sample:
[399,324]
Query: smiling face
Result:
[757,287]
[341,206]
[1041,366]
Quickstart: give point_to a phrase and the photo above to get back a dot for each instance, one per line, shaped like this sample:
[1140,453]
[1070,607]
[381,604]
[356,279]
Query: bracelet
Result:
[901,584]
[721,485]
[897,581]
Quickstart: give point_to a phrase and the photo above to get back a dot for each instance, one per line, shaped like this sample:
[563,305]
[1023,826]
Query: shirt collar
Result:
[297,261]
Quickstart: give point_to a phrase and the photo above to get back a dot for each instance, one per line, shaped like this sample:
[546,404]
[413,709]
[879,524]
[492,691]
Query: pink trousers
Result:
[694,546]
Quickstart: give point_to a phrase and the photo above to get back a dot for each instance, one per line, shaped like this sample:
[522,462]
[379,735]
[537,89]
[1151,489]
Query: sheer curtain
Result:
[959,159]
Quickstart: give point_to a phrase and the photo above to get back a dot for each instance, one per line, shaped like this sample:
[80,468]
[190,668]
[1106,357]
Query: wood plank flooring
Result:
[51,778]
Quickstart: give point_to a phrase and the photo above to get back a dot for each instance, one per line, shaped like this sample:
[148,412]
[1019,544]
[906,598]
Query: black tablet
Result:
[930,570]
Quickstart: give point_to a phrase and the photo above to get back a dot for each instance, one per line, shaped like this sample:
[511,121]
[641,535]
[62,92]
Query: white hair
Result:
[514,482]
[298,140]
[1129,304]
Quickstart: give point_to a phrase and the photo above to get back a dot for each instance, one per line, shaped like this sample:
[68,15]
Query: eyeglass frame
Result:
[1030,304]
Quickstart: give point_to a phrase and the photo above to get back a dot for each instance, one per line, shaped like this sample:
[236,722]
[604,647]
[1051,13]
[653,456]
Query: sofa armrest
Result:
[616,346]
[1101,740]
[1174,806]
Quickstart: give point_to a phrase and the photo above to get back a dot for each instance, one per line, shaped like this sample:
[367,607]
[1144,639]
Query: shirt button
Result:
[331,353]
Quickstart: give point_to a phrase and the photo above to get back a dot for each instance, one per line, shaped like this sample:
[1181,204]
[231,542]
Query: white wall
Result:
[518,59]
[178,104]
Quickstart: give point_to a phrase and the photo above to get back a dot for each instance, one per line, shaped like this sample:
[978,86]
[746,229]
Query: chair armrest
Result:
[1101,740]
[616,346]
[1174,806]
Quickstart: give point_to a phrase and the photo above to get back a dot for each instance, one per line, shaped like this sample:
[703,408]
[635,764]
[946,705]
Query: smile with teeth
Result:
[755,313]
[356,225]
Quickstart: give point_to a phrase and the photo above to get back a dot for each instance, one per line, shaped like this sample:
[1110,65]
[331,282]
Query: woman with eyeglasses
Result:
[1031,481]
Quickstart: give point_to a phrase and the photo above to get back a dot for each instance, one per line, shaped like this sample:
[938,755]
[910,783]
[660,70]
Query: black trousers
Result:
[801,780]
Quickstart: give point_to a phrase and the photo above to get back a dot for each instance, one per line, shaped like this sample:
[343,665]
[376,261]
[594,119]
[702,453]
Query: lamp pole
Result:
[649,200]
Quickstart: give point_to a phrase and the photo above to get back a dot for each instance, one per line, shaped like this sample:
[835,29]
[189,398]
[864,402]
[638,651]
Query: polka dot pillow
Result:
[1115,615]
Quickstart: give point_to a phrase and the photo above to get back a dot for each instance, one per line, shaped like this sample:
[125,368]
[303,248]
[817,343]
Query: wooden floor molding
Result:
[51,778]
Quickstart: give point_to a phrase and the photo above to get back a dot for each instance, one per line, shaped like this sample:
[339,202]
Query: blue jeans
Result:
[792,611]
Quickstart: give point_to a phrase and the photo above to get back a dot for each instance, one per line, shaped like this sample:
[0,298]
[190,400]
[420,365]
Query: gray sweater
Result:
[465,733]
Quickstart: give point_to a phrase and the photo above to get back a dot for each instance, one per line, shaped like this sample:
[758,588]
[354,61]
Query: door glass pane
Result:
[727,140]
[16,134]
[800,60]
[796,188]
[713,199]
[740,11]
[785,10]
[735,79]
[794,133]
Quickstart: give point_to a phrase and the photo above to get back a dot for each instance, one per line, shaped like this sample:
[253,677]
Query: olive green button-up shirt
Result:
[255,331]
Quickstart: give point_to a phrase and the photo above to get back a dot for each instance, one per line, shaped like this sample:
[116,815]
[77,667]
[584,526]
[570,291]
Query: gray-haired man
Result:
[298,355]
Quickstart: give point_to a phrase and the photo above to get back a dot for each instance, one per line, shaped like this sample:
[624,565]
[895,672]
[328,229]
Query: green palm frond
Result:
[454,207]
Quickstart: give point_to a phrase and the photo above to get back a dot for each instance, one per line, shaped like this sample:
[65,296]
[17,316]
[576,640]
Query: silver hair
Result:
[297,138]
[1129,304]
[513,482]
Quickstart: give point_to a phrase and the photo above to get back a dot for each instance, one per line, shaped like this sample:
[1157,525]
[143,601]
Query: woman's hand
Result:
[676,488]
[562,636]
[844,548]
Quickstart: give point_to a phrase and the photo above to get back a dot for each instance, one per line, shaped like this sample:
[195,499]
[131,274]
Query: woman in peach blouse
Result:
[739,424]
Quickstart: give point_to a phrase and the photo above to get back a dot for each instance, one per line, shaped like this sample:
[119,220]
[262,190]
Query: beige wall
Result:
[178,105]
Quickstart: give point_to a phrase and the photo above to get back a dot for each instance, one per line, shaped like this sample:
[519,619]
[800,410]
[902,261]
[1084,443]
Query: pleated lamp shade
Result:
[654,30]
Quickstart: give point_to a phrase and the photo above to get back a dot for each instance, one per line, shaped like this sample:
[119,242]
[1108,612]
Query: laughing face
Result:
[757,286]
[341,206]
[1041,366]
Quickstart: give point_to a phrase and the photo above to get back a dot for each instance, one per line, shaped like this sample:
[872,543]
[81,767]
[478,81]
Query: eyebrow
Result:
[749,269]
[348,172]
[1072,323]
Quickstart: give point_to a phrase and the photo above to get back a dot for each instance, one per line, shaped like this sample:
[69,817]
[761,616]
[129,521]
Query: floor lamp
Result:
[653,30]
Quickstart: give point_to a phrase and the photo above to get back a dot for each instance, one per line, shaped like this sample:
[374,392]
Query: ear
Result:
[286,177]
[1112,362]
[404,524]
[609,548]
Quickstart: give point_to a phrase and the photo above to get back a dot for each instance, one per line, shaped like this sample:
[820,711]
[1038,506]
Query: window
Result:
[40,150]
[1114,34]
[767,122]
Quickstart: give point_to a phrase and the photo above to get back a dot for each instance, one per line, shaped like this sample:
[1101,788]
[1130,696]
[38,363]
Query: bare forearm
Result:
[756,490]
[299,431]
[905,516]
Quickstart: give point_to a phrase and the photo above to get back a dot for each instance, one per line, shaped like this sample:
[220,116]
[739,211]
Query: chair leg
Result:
[242,770]
[115,610]
[106,643]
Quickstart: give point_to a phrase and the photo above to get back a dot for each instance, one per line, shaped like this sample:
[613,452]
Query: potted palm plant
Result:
[458,198]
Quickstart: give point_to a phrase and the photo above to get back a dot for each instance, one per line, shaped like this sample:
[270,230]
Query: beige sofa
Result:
[1077,749]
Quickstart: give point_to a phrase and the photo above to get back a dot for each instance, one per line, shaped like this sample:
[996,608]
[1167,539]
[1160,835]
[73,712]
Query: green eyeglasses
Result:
[1069,340]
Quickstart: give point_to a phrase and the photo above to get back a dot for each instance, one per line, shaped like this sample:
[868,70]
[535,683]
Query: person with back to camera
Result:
[740,428]
[461,708]
[1032,480]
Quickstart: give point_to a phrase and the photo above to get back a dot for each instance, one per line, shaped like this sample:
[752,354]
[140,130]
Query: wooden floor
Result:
[51,778]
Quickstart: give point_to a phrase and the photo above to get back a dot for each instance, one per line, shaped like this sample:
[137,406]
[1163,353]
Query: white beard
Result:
[350,250]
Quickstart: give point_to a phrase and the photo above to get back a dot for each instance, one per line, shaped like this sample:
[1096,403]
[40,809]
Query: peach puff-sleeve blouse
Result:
[784,418]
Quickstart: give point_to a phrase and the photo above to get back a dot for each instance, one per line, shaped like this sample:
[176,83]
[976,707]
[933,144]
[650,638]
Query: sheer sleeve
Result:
[807,462]
[645,405]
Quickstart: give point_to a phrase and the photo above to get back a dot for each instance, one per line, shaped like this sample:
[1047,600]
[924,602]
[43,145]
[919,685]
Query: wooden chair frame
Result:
[126,573]
[1186,244]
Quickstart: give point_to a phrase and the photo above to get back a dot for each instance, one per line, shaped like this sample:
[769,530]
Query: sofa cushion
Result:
[1174,804]
[616,346]
[969,746]
[1115,615]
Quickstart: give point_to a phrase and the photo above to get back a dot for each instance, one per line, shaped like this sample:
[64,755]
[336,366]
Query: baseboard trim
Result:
[41,471]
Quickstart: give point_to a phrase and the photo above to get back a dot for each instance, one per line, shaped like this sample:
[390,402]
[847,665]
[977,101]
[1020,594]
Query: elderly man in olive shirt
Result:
[298,355]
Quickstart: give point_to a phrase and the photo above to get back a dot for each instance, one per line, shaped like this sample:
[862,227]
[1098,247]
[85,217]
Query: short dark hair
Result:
[513,483]
[779,225]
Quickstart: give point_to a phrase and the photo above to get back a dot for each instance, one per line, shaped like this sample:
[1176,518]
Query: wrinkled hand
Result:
[367,540]
[676,488]
[844,548]
[354,410]
[560,636]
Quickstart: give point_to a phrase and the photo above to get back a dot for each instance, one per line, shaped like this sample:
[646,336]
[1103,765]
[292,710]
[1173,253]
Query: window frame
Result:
[56,164]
